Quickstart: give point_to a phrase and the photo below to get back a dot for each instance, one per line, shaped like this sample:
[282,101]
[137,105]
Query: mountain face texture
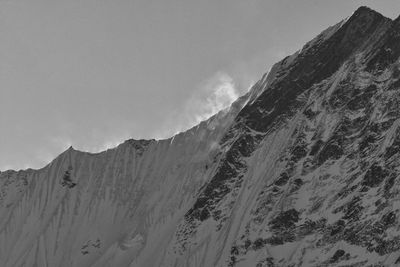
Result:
[304,170]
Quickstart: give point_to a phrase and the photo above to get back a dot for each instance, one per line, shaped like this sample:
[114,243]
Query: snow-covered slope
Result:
[301,171]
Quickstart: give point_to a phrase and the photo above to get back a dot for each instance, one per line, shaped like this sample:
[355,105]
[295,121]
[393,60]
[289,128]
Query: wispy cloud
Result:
[211,96]
[215,94]
[220,90]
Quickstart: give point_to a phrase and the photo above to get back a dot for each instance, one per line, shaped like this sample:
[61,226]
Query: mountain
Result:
[304,170]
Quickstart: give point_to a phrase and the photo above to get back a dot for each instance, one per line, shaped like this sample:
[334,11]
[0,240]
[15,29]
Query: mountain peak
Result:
[364,10]
[306,173]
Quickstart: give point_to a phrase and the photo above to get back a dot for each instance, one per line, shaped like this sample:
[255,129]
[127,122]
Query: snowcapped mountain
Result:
[304,170]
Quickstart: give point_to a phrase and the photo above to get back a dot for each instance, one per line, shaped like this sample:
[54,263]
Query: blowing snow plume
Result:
[307,174]
[216,94]
[213,95]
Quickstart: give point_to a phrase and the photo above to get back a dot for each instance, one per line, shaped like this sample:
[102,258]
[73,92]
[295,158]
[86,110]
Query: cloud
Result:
[220,90]
[215,94]
[211,96]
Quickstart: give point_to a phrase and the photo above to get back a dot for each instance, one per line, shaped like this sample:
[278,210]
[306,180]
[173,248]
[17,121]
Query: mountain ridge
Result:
[360,10]
[301,171]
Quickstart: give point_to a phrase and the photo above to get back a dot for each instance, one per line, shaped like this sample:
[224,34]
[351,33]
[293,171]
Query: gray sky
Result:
[92,73]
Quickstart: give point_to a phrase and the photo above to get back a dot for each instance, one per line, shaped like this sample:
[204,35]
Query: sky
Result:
[93,73]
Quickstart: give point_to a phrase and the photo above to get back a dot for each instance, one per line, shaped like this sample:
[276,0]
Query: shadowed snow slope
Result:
[301,171]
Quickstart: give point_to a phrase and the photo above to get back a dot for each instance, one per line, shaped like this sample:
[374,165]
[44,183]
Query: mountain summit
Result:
[304,170]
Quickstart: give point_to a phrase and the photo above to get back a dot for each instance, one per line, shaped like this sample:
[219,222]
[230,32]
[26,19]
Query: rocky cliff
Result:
[304,170]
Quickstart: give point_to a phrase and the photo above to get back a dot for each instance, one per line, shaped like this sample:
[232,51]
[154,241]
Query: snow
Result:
[130,203]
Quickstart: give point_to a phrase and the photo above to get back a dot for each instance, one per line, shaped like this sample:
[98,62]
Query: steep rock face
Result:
[103,209]
[301,171]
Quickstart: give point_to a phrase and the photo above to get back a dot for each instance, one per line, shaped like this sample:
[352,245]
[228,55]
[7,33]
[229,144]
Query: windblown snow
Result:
[303,170]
